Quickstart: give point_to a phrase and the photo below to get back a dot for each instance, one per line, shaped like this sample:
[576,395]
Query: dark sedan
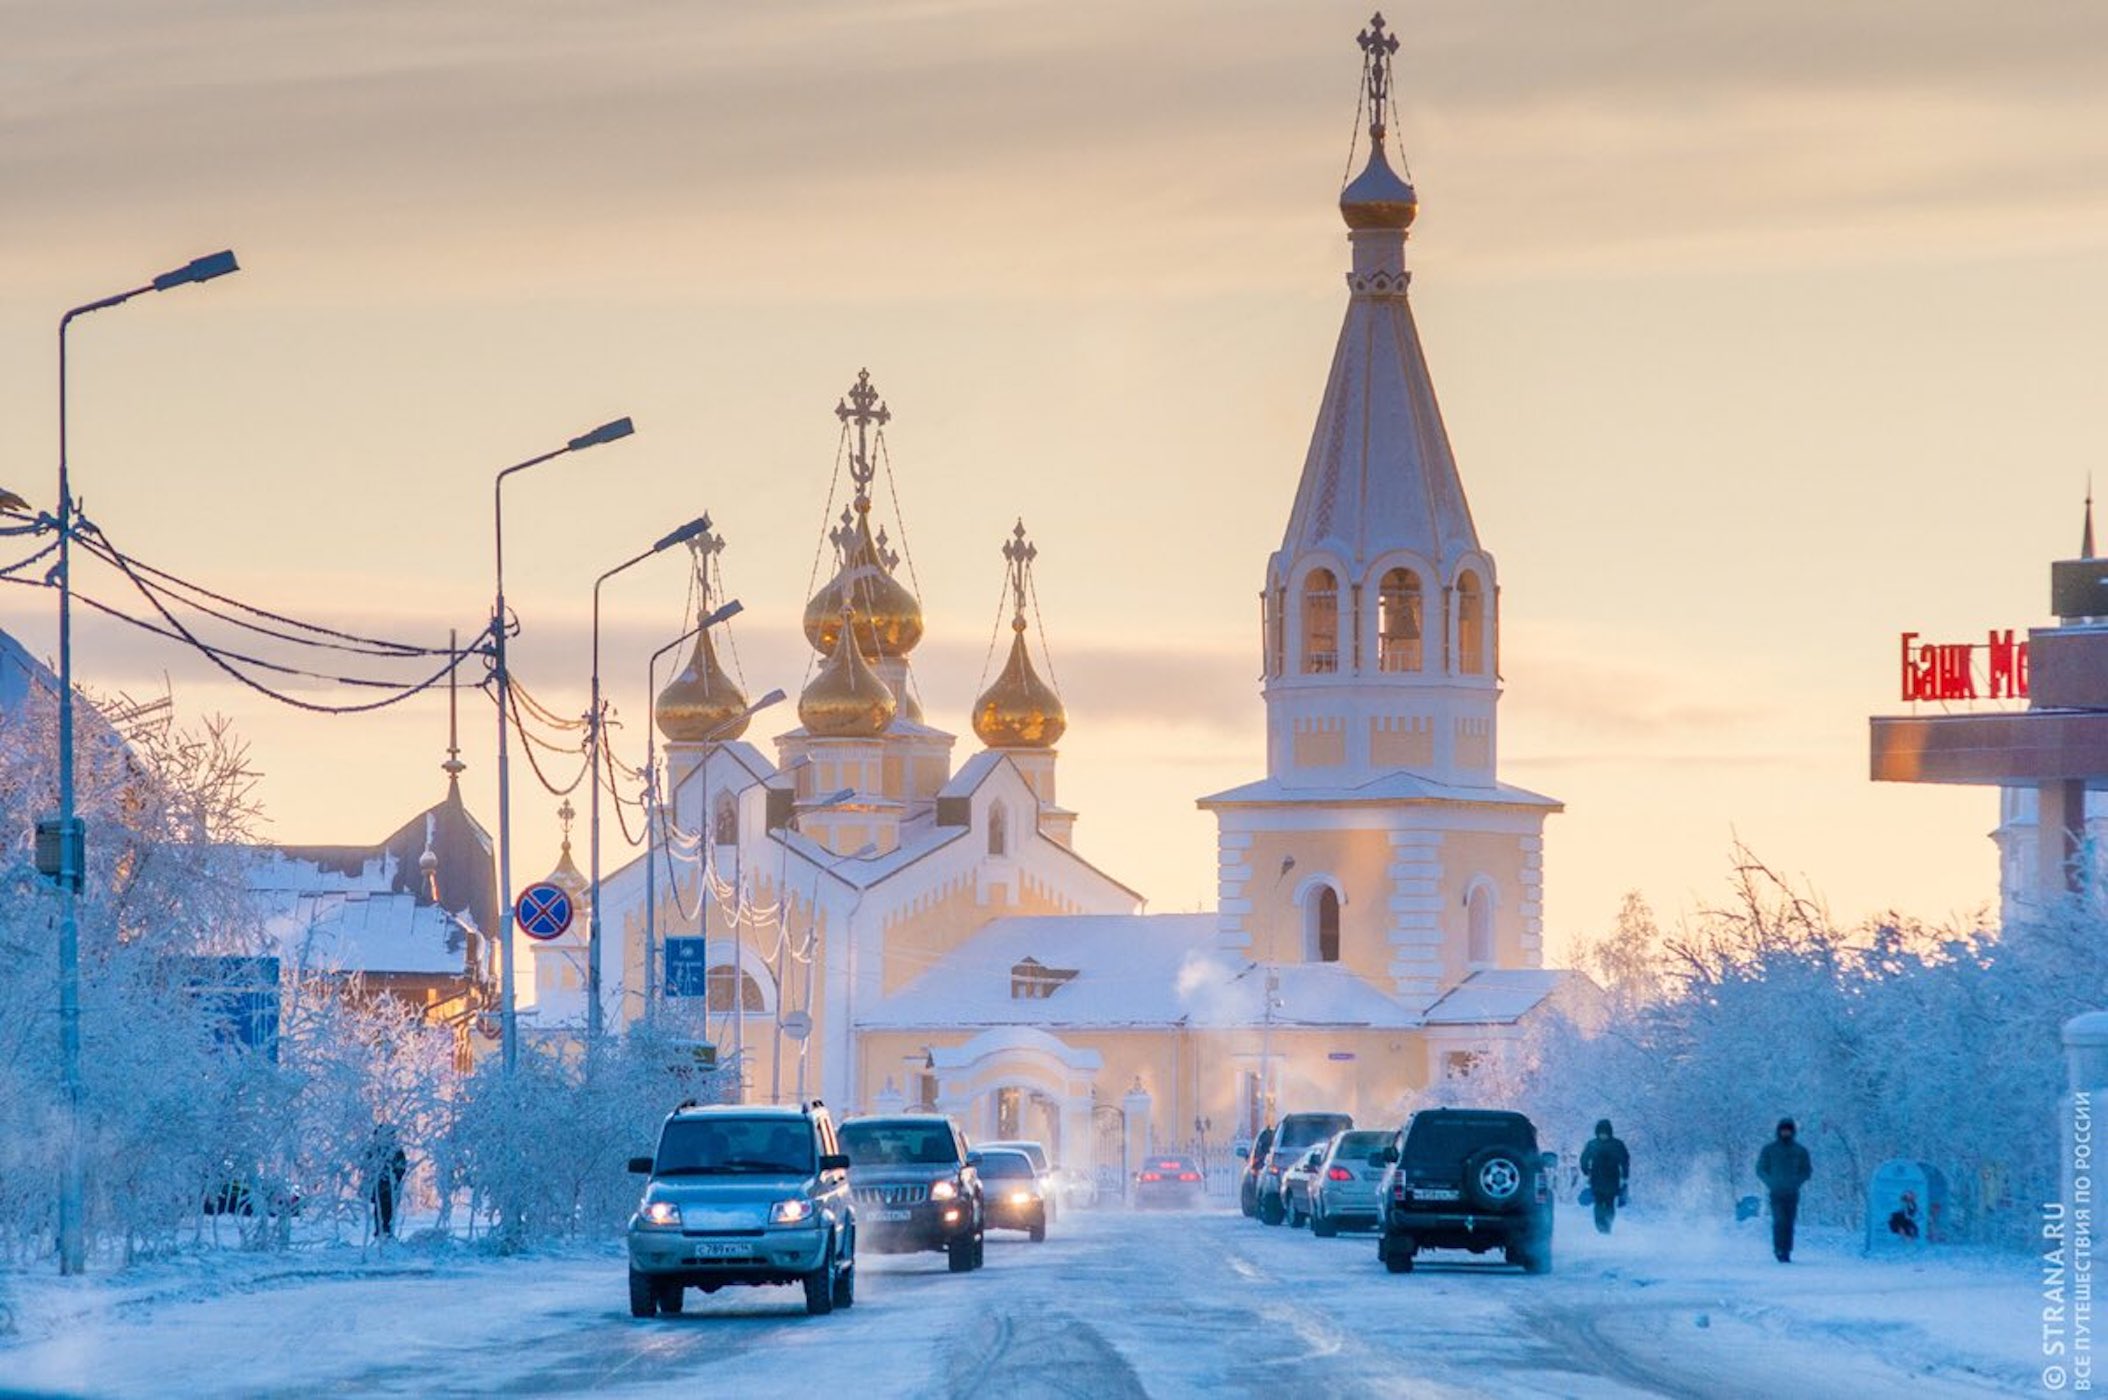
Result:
[1169,1181]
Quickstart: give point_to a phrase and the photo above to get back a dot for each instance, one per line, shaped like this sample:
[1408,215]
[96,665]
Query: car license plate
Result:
[723,1249]
[883,1215]
[1437,1193]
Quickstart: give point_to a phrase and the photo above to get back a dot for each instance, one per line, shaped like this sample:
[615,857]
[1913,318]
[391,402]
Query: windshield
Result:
[1448,1141]
[1362,1144]
[1300,1130]
[706,1146]
[900,1143]
[1032,1150]
[1006,1164]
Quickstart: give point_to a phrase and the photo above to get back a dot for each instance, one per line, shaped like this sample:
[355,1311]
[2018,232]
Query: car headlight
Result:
[1021,1198]
[944,1190]
[794,1211]
[661,1213]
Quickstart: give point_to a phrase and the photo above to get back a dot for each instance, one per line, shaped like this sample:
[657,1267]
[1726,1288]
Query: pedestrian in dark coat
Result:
[385,1166]
[1784,1168]
[1608,1167]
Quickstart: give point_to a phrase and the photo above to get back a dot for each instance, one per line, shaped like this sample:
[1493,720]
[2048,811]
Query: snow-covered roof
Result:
[1498,996]
[1396,786]
[1131,970]
[356,931]
[19,673]
[333,919]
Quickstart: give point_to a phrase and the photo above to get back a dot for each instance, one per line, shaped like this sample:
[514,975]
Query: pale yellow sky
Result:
[1763,333]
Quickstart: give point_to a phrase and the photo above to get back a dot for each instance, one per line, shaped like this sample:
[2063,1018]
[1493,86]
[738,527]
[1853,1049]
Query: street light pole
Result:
[72,835]
[595,719]
[508,1018]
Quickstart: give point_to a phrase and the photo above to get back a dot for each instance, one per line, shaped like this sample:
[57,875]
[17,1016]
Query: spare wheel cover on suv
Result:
[1493,1178]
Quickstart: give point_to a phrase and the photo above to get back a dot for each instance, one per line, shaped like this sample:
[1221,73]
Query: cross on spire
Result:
[1019,553]
[1377,46]
[453,767]
[863,407]
[566,814]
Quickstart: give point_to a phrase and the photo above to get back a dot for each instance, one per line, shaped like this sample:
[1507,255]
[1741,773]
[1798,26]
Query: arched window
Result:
[720,987]
[1398,618]
[998,830]
[1320,622]
[1324,924]
[724,826]
[1478,920]
[1471,625]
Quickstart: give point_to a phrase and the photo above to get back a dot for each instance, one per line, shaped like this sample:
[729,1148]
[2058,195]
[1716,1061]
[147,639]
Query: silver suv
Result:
[741,1194]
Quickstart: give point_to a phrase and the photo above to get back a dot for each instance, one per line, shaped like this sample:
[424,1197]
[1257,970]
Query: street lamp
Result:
[595,719]
[508,1019]
[651,803]
[812,960]
[70,865]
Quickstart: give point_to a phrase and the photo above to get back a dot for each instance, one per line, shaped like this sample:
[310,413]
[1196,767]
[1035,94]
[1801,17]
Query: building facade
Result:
[880,927]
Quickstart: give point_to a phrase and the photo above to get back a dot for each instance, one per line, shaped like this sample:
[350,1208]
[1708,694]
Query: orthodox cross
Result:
[705,546]
[1019,553]
[453,767]
[864,408]
[1377,46]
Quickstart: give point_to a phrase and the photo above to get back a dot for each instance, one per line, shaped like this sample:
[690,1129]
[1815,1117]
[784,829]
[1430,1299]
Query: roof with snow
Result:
[1130,970]
[1499,996]
[1396,786]
[19,672]
[330,920]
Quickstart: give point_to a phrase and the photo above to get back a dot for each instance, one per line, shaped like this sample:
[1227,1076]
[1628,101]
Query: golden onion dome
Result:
[1378,197]
[887,618]
[702,702]
[1020,711]
[847,699]
[569,878]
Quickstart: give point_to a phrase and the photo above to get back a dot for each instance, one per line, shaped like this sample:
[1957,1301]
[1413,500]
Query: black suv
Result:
[1465,1178]
[916,1187]
[1279,1148]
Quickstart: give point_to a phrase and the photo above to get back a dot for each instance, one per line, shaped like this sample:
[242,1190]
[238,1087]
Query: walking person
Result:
[1608,1167]
[385,1167]
[1783,1166]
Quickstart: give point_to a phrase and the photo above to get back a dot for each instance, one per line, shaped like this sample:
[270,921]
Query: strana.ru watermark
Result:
[2067,1264]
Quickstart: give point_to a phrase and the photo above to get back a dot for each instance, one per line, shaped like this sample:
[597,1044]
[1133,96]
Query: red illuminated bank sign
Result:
[1994,669]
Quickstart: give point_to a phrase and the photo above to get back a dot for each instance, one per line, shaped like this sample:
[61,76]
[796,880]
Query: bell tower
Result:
[1382,836]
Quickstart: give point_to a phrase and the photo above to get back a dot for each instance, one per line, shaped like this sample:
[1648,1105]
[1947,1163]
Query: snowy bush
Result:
[1888,1040]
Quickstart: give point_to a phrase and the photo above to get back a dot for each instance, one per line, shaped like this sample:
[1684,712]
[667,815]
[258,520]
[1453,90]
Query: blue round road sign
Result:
[543,911]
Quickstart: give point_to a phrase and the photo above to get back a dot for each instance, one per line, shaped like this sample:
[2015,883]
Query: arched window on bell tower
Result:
[1399,616]
[998,830]
[1320,622]
[1478,925]
[724,823]
[1321,924]
[1471,624]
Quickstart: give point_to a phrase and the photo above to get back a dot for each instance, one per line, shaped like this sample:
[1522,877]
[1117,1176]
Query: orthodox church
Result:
[882,926]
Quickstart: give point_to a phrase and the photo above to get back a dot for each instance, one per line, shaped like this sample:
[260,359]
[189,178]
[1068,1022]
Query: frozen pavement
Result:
[1113,1305]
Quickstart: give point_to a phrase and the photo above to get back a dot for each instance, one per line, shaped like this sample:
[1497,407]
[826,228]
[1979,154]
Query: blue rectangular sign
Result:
[687,973]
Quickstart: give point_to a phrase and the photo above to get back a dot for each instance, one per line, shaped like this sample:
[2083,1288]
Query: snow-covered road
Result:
[1113,1305]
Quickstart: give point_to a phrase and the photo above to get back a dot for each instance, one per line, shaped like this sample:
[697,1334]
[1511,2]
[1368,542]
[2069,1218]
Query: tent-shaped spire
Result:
[1379,474]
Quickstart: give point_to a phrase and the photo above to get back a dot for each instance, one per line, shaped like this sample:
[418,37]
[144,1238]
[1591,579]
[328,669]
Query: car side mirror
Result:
[834,1162]
[1389,1154]
[640,1165]
[1243,1152]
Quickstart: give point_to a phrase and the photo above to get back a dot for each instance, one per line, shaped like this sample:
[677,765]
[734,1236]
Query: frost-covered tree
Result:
[1892,1039]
